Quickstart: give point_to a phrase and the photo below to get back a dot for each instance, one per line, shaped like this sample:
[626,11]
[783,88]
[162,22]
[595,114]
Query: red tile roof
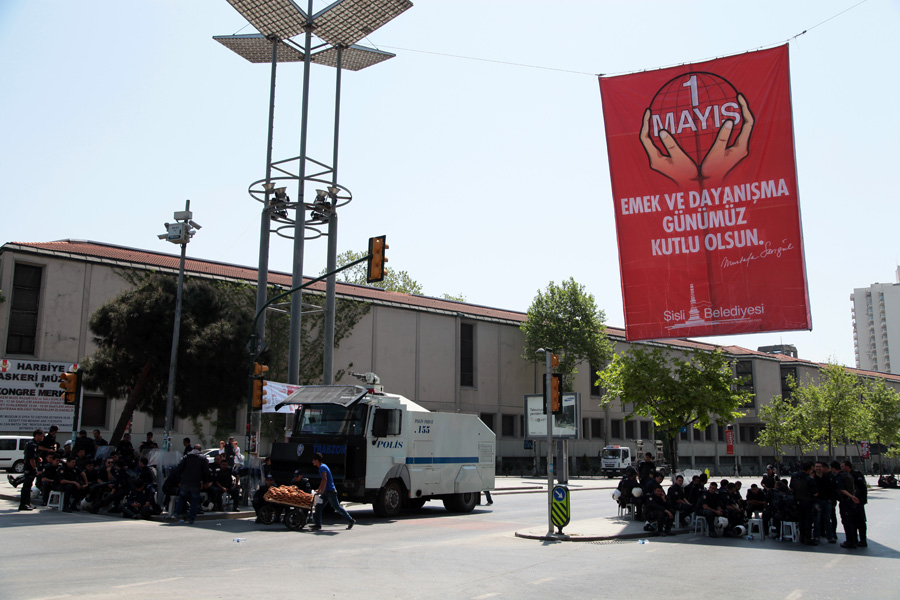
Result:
[132,257]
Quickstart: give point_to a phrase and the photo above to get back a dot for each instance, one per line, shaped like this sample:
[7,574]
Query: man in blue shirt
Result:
[328,493]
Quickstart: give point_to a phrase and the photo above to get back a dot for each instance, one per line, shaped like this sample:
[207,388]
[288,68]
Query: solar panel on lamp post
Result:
[341,24]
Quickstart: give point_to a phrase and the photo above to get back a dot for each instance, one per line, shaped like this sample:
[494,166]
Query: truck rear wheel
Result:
[462,503]
[389,500]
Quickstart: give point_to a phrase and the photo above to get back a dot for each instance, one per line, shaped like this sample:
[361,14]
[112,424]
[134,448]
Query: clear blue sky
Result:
[489,179]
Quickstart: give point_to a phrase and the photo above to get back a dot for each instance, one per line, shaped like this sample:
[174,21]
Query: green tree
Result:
[831,409]
[133,335]
[566,320]
[882,415]
[780,429]
[675,392]
[394,279]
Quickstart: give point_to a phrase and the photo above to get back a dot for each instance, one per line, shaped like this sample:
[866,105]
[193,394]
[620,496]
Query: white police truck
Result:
[386,450]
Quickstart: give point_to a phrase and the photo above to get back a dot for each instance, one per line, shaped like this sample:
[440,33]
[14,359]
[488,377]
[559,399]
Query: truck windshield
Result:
[331,419]
[611,453]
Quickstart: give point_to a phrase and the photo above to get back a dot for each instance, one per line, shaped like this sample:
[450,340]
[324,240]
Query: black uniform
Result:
[708,504]
[658,510]
[626,487]
[861,492]
[677,497]
[804,488]
[32,464]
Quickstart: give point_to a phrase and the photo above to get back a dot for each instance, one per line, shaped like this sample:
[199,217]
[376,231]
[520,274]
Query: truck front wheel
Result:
[389,500]
[462,503]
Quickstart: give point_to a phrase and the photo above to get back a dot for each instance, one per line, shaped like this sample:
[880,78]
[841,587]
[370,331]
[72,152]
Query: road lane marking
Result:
[541,581]
[128,585]
[795,595]
[484,596]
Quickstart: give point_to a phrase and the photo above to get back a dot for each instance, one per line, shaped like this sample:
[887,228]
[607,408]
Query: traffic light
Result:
[554,361]
[259,384]
[376,269]
[552,393]
[556,393]
[70,383]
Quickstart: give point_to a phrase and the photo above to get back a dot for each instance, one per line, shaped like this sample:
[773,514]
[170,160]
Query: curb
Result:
[577,537]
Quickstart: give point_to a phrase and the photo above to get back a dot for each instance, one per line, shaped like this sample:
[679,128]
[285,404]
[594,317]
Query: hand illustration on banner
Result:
[723,158]
[677,166]
[718,162]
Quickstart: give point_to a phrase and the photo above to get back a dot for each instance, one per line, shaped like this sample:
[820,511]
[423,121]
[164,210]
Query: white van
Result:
[12,452]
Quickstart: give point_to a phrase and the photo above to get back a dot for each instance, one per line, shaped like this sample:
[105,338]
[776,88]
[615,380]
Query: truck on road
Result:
[614,460]
[386,450]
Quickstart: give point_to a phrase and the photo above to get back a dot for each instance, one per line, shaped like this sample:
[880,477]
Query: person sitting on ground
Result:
[125,449]
[49,445]
[769,480]
[658,510]
[140,502]
[223,483]
[148,444]
[117,484]
[626,487]
[300,482]
[650,484]
[756,500]
[678,499]
[146,474]
[72,485]
[693,490]
[646,469]
[50,477]
[83,442]
[709,506]
[98,439]
[259,500]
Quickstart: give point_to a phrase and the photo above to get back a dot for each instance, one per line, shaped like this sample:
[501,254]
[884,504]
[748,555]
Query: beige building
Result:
[447,356]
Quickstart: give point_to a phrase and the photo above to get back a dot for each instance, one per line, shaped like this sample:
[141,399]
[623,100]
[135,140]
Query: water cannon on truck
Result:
[386,450]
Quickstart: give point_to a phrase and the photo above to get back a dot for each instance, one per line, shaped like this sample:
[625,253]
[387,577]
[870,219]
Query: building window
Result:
[159,421]
[684,433]
[508,422]
[629,430]
[708,433]
[93,411]
[744,370]
[23,312]
[615,429]
[488,419]
[698,434]
[720,430]
[467,354]
[788,374]
[596,429]
[596,389]
[645,430]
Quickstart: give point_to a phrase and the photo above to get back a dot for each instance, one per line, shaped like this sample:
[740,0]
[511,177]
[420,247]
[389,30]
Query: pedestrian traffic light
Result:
[554,360]
[259,384]
[70,383]
[556,393]
[376,269]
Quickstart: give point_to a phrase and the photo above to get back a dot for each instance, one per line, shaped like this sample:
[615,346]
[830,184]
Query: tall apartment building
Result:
[876,325]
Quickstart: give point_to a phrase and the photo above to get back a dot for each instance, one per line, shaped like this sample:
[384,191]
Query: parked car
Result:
[211,454]
[12,452]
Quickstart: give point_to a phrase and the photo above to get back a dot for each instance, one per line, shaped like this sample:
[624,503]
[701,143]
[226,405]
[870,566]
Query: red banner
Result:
[704,184]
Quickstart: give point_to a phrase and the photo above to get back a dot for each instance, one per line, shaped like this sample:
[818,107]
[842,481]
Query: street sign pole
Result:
[550,449]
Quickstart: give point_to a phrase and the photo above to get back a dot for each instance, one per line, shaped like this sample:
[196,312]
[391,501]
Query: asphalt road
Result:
[433,554]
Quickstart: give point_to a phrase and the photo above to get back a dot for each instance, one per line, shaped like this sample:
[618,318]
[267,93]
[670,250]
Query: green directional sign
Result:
[560,512]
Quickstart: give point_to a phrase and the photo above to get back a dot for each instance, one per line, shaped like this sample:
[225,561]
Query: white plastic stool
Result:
[700,525]
[56,500]
[792,525]
[173,503]
[627,508]
[756,526]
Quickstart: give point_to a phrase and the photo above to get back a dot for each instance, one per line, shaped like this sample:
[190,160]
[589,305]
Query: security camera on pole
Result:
[181,233]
